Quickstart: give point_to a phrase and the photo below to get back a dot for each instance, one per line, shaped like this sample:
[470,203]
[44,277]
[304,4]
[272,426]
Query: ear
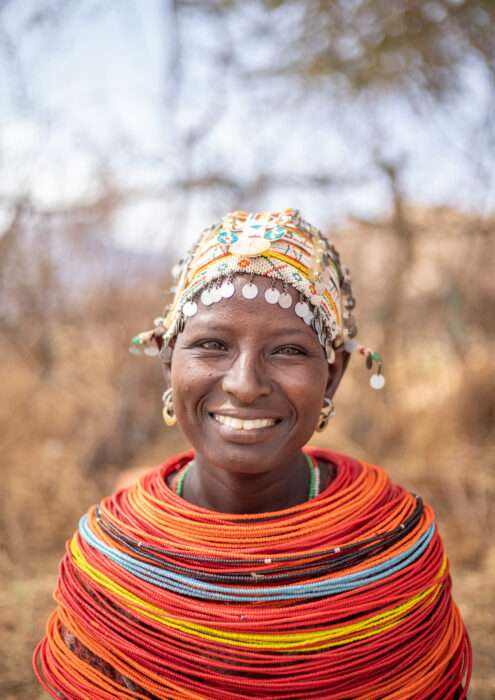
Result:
[166,362]
[336,371]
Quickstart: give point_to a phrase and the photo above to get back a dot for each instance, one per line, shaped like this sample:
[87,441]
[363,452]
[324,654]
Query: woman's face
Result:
[248,381]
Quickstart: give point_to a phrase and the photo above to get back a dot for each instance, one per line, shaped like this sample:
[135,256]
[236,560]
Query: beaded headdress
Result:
[282,247]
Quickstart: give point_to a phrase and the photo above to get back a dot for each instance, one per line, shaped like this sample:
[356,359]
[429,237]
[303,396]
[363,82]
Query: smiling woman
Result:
[249,382]
[254,566]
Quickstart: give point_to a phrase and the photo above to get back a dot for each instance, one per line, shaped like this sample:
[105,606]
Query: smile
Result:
[240,424]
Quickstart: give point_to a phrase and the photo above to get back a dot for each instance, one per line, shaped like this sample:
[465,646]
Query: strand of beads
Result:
[345,595]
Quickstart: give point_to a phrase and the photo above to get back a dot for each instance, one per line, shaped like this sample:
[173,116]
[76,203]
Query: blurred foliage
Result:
[373,44]
[378,45]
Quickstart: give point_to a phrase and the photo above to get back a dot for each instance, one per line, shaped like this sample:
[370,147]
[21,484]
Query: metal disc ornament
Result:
[227,290]
[350,345]
[216,294]
[190,308]
[377,381]
[250,246]
[285,300]
[301,309]
[206,299]
[272,295]
[249,291]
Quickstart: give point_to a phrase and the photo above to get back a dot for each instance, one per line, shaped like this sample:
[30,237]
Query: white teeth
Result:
[239,424]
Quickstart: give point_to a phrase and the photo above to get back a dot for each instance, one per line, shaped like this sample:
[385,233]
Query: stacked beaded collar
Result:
[282,247]
[347,595]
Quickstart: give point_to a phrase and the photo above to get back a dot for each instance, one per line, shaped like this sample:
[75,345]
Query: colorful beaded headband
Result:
[282,247]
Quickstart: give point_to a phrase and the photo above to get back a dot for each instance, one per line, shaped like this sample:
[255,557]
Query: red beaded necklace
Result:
[344,596]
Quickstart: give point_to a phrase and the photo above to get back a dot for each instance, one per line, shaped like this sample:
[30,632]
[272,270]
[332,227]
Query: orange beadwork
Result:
[344,596]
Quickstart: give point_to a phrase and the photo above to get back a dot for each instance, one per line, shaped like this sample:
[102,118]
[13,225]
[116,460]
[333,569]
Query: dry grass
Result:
[70,426]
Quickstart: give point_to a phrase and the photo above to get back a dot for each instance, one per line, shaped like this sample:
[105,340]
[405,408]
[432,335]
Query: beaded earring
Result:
[168,412]
[327,412]
[377,380]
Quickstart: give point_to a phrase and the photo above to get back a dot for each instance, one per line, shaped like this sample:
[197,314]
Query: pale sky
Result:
[92,94]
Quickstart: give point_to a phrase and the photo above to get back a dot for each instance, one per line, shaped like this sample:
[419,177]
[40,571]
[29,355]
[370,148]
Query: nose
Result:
[245,379]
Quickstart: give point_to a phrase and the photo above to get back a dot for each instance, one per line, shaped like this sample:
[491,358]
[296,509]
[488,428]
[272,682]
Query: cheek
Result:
[190,384]
[183,374]
[305,391]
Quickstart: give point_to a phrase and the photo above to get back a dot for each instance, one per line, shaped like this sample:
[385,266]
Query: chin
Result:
[242,459]
[249,459]
[248,451]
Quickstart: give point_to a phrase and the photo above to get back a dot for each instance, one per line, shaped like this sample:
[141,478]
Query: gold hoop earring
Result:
[168,412]
[326,413]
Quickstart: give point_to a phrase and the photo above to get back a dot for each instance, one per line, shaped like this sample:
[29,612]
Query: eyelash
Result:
[203,343]
[294,350]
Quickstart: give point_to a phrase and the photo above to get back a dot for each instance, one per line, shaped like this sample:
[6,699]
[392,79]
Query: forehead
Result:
[243,316]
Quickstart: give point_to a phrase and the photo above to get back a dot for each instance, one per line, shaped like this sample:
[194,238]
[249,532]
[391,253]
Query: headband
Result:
[282,247]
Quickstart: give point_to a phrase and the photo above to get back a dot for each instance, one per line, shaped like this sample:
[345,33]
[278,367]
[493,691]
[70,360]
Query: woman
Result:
[251,567]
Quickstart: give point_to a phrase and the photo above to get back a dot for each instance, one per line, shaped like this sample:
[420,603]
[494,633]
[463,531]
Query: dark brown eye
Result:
[289,350]
[211,345]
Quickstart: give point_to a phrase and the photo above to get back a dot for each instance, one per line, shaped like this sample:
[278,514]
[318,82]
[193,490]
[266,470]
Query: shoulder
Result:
[352,472]
[345,464]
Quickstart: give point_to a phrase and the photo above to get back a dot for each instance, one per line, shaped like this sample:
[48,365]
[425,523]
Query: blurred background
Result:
[127,127]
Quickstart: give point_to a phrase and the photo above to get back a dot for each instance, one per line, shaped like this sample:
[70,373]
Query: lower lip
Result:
[239,435]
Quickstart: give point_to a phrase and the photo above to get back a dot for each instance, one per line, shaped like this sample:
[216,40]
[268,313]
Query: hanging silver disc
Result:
[206,299]
[216,295]
[285,300]
[377,381]
[272,295]
[249,291]
[350,345]
[301,309]
[190,308]
[227,290]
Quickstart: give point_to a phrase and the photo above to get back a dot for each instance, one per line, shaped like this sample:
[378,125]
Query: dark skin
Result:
[249,360]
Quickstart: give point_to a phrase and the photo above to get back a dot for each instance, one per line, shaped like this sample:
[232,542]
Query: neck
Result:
[214,488]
